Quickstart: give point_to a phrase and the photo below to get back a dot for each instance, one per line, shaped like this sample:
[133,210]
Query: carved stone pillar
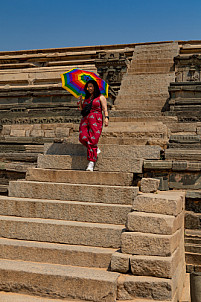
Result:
[111,67]
[185,93]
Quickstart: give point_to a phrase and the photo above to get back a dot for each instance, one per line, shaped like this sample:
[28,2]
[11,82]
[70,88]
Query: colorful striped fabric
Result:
[74,81]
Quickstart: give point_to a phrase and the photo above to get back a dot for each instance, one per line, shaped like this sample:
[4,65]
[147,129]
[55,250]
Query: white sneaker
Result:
[98,151]
[90,166]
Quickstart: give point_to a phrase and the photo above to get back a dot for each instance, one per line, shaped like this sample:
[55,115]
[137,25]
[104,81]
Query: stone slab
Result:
[157,164]
[74,255]
[74,192]
[64,210]
[120,262]
[154,223]
[131,287]
[185,180]
[149,185]
[162,267]
[193,194]
[146,152]
[149,244]
[57,281]
[80,177]
[59,231]
[183,154]
[103,164]
[168,203]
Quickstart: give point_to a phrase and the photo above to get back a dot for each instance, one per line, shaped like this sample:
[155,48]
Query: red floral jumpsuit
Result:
[91,128]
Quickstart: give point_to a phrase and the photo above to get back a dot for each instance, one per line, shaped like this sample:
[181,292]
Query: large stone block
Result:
[120,262]
[64,210]
[132,287]
[76,192]
[149,244]
[154,223]
[57,281]
[59,231]
[74,255]
[168,203]
[80,177]
[146,152]
[162,267]
[149,185]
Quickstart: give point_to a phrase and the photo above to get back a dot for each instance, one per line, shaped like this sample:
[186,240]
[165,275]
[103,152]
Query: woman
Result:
[92,124]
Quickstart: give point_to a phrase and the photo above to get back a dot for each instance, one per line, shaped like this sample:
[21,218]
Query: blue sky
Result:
[35,24]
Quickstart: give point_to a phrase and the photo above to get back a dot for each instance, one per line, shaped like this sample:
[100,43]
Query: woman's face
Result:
[90,88]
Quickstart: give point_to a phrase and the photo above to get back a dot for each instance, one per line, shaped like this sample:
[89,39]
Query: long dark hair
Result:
[96,89]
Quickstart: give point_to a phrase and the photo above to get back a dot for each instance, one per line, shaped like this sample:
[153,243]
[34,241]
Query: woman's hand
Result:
[106,122]
[79,102]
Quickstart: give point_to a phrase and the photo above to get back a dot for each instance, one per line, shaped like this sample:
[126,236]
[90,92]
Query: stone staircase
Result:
[70,234]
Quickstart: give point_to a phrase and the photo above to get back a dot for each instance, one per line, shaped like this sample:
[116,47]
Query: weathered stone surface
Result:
[130,287]
[58,281]
[80,177]
[76,192]
[149,185]
[55,253]
[157,165]
[107,164]
[168,203]
[110,164]
[59,231]
[192,220]
[193,194]
[162,267]
[146,152]
[154,223]
[185,180]
[149,244]
[183,154]
[64,210]
[120,262]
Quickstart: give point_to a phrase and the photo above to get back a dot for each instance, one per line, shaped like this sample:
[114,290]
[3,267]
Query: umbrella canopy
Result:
[74,81]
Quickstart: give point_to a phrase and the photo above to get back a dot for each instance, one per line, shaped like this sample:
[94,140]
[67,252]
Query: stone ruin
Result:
[131,229]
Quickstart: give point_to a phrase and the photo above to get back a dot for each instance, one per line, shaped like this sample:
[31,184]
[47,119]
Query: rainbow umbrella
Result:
[74,81]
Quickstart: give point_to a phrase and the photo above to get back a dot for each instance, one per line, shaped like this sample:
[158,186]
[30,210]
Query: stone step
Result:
[103,164]
[80,177]
[60,231]
[73,192]
[58,281]
[151,288]
[74,255]
[146,152]
[64,210]
[139,243]
[183,154]
[167,203]
[154,223]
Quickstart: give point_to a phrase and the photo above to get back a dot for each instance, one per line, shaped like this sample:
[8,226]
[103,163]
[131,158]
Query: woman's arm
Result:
[104,107]
[79,102]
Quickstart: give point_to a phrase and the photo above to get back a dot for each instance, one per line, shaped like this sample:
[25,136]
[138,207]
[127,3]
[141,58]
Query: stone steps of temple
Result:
[60,231]
[55,253]
[80,177]
[91,212]
[74,192]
